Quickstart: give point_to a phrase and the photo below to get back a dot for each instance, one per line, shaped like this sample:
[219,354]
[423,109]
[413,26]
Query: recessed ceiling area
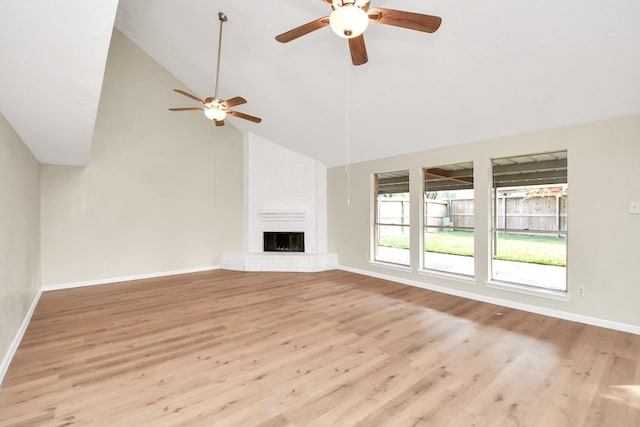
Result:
[492,69]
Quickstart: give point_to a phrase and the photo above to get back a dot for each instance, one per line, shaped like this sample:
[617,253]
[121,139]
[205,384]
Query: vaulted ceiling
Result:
[493,68]
[52,59]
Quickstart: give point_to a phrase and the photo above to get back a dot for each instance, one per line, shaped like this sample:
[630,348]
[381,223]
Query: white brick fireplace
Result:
[284,192]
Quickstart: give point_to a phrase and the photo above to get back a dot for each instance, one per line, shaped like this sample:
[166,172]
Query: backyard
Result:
[536,249]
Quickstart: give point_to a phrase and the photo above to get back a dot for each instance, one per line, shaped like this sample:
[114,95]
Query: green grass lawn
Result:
[544,250]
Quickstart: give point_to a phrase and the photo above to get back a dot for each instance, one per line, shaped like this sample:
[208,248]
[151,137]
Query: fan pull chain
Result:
[215,180]
[347,115]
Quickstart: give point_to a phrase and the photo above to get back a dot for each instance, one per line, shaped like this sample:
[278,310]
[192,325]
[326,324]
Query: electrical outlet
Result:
[634,207]
[581,291]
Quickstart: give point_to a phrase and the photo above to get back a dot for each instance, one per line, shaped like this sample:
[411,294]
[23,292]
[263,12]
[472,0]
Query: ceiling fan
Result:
[215,108]
[350,18]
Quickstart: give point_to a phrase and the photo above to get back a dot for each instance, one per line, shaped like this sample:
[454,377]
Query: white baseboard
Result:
[71,285]
[595,321]
[624,327]
[6,361]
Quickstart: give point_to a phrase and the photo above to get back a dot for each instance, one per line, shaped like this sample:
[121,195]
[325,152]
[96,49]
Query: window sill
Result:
[527,290]
[391,266]
[461,278]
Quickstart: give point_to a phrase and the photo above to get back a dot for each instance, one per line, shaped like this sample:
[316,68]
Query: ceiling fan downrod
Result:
[223,18]
[215,108]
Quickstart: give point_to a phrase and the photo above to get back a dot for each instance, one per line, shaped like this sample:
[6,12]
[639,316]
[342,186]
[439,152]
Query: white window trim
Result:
[423,270]
[461,278]
[391,266]
[373,206]
[538,291]
[529,290]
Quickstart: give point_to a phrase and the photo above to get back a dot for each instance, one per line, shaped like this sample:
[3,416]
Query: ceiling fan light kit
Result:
[216,109]
[350,18]
[215,113]
[348,21]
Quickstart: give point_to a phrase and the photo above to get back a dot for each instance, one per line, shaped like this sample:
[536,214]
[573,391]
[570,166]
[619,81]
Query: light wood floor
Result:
[225,348]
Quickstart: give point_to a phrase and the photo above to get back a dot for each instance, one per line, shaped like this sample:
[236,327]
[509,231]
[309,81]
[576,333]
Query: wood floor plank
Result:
[226,348]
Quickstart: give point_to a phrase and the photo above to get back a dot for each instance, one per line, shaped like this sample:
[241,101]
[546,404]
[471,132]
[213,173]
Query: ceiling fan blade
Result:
[358,50]
[244,116]
[410,20]
[186,109]
[233,102]
[189,95]
[219,122]
[303,29]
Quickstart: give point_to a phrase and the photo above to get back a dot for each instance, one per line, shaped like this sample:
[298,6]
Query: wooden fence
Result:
[513,212]
[542,213]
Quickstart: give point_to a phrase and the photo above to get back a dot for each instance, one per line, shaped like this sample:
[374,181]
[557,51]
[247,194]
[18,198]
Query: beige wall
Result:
[19,233]
[162,191]
[603,249]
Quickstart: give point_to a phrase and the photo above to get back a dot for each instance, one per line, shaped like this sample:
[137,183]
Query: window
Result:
[448,218]
[529,221]
[392,213]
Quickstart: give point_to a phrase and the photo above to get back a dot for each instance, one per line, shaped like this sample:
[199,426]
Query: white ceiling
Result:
[494,68]
[52,56]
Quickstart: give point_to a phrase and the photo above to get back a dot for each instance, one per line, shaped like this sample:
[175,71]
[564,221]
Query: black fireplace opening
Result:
[279,241]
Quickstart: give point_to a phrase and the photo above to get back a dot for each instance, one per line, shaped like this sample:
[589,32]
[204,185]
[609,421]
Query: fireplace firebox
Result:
[278,241]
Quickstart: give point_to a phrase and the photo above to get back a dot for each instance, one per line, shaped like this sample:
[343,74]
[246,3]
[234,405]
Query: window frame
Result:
[561,168]
[455,172]
[376,224]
